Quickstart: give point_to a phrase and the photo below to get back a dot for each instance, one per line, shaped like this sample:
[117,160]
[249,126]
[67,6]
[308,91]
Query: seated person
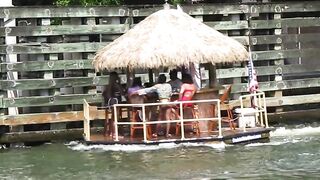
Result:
[175,82]
[136,85]
[164,92]
[188,89]
[135,98]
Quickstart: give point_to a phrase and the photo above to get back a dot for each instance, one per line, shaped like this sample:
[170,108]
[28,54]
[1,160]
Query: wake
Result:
[78,146]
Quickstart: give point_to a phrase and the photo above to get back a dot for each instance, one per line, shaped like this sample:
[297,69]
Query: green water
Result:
[292,153]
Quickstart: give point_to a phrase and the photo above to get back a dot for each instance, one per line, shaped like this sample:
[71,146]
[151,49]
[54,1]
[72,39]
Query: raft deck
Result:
[257,134]
[259,129]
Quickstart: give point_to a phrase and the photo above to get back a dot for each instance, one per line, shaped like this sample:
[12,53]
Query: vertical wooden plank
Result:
[11,75]
[279,62]
[86,121]
[10,58]
[91,73]
[47,74]
[197,77]
[41,57]
[235,17]
[212,75]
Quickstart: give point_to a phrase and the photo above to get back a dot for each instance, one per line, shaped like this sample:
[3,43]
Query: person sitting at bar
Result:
[135,98]
[164,92]
[136,85]
[188,89]
[175,82]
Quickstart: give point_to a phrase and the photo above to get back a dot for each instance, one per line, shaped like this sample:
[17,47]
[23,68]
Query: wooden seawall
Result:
[47,72]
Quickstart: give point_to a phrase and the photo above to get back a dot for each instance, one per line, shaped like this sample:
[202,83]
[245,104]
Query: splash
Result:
[285,135]
[282,131]
[276,143]
[78,146]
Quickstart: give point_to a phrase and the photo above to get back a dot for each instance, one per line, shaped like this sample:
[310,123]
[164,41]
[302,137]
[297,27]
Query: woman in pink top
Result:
[188,89]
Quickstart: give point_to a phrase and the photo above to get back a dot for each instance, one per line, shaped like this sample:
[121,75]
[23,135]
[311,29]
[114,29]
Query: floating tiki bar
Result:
[171,38]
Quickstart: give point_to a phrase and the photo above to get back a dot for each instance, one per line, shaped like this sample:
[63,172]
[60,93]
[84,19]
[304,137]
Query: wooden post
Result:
[279,62]
[212,75]
[150,75]
[130,76]
[11,58]
[197,77]
[86,121]
[70,56]
[235,17]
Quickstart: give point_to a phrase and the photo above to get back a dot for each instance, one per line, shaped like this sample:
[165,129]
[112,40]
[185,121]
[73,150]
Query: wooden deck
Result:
[227,134]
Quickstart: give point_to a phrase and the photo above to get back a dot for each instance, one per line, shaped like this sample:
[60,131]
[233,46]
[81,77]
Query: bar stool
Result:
[135,116]
[193,124]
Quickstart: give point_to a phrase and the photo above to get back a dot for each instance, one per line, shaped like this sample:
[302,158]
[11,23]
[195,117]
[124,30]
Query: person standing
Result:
[112,95]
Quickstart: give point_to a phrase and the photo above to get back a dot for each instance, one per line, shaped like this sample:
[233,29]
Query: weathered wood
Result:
[210,9]
[42,118]
[285,23]
[71,64]
[63,30]
[51,11]
[286,6]
[29,84]
[282,101]
[279,85]
[42,48]
[283,38]
[228,25]
[92,47]
[120,11]
[306,115]
[293,100]
[268,70]
[33,136]
[281,54]
[196,9]
[51,100]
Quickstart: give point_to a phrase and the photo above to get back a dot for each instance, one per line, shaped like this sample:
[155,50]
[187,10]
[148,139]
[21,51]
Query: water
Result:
[292,153]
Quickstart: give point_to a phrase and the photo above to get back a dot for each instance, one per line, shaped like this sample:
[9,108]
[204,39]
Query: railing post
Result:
[86,121]
[261,109]
[144,123]
[265,110]
[219,119]
[181,123]
[115,122]
[242,115]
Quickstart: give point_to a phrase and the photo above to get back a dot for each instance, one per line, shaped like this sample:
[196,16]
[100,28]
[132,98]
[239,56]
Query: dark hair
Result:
[137,82]
[147,84]
[162,78]
[114,78]
[186,78]
[173,74]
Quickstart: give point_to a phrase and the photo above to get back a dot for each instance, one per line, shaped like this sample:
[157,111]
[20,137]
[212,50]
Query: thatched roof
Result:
[169,38]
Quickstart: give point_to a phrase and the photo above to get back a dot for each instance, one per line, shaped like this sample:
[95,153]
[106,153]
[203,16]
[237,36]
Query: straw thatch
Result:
[169,38]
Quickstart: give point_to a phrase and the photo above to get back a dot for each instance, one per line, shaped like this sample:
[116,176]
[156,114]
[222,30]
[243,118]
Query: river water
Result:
[292,153]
